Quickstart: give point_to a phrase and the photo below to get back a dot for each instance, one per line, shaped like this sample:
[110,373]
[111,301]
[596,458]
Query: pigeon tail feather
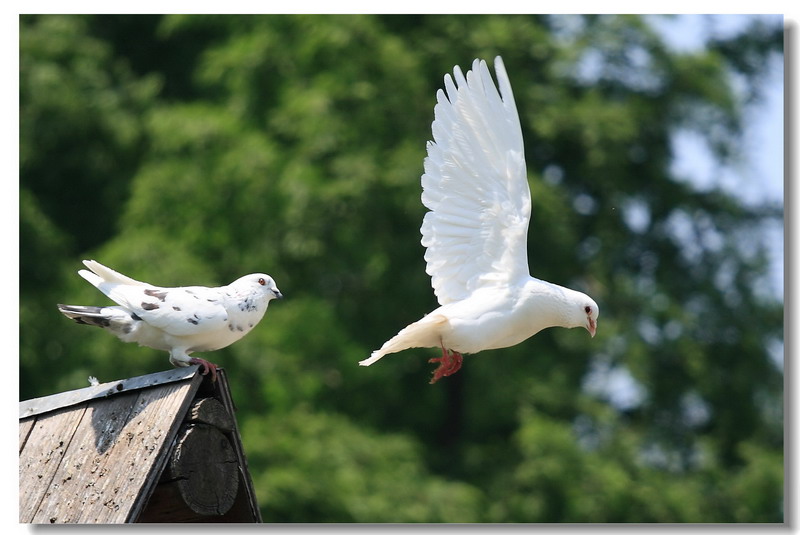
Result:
[112,318]
[426,332]
[81,314]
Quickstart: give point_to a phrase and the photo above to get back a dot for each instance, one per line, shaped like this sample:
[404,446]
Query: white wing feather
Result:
[181,311]
[475,186]
[199,309]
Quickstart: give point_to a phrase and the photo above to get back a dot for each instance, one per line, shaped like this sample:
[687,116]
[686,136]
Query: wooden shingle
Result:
[162,447]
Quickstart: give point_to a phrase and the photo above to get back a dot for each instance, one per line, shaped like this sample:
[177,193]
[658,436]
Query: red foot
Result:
[450,363]
[205,367]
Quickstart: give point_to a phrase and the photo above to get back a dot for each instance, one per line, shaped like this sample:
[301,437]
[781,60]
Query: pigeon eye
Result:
[587,309]
[262,282]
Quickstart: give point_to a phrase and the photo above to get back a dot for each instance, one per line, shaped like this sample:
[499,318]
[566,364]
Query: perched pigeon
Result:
[179,320]
[476,188]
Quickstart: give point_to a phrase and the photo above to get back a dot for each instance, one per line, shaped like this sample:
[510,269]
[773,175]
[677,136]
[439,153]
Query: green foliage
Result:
[193,149]
[329,469]
[80,124]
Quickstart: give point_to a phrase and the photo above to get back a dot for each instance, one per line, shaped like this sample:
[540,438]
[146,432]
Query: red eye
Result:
[588,309]
[262,282]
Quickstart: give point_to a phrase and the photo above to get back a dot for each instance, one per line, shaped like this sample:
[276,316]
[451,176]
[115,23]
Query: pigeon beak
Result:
[277,293]
[592,327]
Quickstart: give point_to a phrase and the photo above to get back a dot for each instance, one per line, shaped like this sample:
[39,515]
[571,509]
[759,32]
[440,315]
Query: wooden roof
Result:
[162,447]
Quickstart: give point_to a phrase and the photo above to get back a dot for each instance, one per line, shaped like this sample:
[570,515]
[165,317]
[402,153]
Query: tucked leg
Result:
[449,363]
[180,358]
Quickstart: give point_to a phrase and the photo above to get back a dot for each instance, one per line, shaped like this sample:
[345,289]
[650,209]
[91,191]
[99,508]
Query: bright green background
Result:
[188,150]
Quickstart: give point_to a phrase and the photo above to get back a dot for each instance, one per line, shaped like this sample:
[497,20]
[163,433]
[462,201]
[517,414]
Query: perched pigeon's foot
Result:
[205,367]
[450,363]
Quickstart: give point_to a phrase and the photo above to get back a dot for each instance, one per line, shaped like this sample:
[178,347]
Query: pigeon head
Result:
[581,311]
[259,284]
[591,310]
[585,313]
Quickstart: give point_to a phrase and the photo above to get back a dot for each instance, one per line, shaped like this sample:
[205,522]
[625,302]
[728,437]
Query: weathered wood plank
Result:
[25,428]
[39,460]
[41,405]
[162,454]
[78,483]
[224,395]
[102,479]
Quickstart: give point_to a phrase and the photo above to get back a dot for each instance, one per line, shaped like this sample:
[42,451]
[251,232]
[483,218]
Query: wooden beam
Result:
[32,407]
[210,411]
[205,468]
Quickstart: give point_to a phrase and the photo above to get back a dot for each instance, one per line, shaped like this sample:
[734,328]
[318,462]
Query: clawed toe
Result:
[205,367]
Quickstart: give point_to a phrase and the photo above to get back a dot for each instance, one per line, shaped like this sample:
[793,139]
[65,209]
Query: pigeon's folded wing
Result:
[180,311]
[177,311]
[476,187]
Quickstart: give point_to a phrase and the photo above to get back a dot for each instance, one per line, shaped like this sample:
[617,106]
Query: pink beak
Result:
[592,328]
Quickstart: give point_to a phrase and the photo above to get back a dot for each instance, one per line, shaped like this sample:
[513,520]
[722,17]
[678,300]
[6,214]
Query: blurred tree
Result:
[193,149]
[80,125]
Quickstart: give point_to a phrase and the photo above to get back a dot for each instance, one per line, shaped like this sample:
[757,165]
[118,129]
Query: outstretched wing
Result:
[475,186]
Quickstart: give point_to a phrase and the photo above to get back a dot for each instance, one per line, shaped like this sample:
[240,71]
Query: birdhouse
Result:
[162,447]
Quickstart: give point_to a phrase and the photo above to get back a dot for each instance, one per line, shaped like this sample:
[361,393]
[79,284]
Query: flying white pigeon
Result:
[179,320]
[476,189]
